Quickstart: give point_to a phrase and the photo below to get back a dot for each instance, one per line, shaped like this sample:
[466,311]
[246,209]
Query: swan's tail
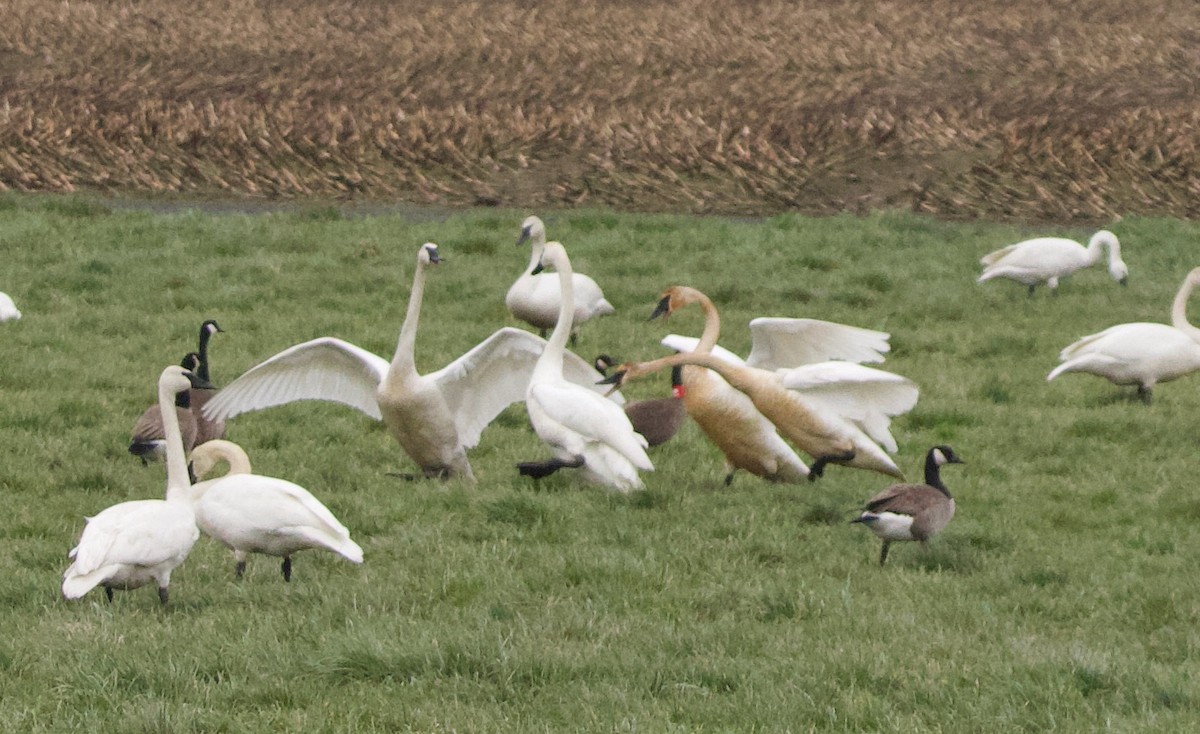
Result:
[342,545]
[76,584]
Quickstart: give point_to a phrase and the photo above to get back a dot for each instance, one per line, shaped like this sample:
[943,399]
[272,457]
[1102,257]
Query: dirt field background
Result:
[1031,109]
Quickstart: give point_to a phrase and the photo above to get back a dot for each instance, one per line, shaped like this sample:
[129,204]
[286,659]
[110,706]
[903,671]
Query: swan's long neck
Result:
[712,324]
[550,363]
[1179,310]
[733,374]
[1114,249]
[403,360]
[178,481]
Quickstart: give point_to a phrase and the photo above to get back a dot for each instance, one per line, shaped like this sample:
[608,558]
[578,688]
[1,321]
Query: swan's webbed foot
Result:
[1032,288]
[539,469]
[817,470]
[163,595]
[286,567]
[1144,393]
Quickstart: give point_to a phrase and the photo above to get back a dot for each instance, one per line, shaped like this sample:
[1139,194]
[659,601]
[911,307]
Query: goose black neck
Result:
[202,368]
[933,473]
[677,375]
[183,399]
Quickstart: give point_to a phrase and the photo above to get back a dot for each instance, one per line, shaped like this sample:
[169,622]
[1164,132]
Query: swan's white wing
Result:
[137,533]
[688,344]
[495,374]
[273,500]
[321,369]
[780,343]
[864,395]
[594,418]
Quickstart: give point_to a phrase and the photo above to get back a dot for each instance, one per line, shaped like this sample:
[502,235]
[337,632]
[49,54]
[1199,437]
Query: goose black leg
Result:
[287,568]
[883,553]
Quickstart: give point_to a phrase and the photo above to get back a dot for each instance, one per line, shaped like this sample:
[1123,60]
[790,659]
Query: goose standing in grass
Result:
[435,417]
[834,411]
[584,429]
[658,419]
[133,543]
[249,513]
[8,309]
[148,439]
[534,298]
[912,511]
[1047,259]
[1142,354]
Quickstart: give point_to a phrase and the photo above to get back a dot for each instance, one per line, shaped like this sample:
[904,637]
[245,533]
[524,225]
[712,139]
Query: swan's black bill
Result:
[524,236]
[663,308]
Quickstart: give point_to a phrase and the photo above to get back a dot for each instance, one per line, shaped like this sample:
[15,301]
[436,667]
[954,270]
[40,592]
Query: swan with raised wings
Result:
[535,298]
[250,513]
[1140,353]
[584,429]
[1047,259]
[133,543]
[435,417]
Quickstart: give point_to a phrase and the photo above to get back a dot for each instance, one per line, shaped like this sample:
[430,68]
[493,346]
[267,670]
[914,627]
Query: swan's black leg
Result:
[163,595]
[729,479]
[239,569]
[108,593]
[1144,394]
[539,469]
[818,468]
[287,568]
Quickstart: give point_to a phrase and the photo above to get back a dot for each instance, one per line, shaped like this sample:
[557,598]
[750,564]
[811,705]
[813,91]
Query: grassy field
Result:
[1055,111]
[1061,597]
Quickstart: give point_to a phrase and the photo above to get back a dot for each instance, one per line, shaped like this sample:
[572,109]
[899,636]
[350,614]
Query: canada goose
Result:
[434,417]
[250,513]
[148,438]
[584,430]
[1046,259]
[8,309]
[834,411]
[1142,354]
[129,544]
[912,511]
[534,297]
[658,419]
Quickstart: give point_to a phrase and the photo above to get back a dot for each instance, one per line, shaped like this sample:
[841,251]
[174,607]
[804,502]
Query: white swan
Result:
[1046,259]
[148,439]
[8,309]
[1142,354]
[132,543]
[584,429]
[435,417]
[534,298]
[250,513]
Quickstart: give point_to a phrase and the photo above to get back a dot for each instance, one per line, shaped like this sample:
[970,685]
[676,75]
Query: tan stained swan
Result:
[435,417]
[1140,353]
[250,513]
[583,429]
[912,511]
[1047,259]
[133,543]
[534,298]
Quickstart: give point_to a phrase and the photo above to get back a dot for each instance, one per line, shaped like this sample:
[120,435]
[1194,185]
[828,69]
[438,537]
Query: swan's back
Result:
[8,309]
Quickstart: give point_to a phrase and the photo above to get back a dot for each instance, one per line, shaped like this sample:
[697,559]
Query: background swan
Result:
[132,543]
[436,417]
[535,297]
[1046,259]
[250,513]
[8,309]
[584,429]
[1140,353]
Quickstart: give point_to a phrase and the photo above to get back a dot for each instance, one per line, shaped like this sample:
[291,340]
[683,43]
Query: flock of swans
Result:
[804,387]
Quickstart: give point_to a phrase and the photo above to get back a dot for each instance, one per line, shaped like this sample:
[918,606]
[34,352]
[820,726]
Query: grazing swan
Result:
[584,429]
[146,440]
[435,417]
[1142,354]
[249,513]
[658,419]
[1046,259]
[132,543]
[534,297]
[912,511]
[8,309]
[834,411]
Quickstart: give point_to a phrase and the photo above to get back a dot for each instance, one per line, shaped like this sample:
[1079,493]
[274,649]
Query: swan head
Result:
[554,256]
[674,298]
[532,229]
[1119,271]
[1193,278]
[428,254]
[206,456]
[623,374]
[176,379]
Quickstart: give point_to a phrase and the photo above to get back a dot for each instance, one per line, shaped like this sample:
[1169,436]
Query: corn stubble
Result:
[1029,109]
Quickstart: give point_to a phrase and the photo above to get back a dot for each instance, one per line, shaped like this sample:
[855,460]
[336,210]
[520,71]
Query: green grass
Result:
[1061,597]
